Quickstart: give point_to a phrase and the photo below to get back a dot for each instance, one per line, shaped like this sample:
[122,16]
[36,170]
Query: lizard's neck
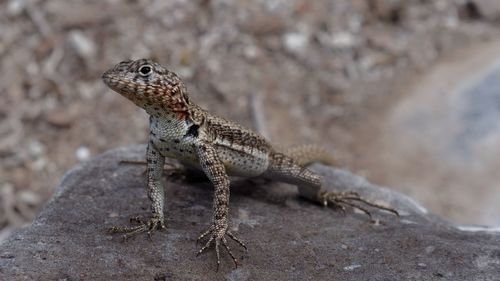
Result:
[178,122]
[156,111]
[160,111]
[162,104]
[168,125]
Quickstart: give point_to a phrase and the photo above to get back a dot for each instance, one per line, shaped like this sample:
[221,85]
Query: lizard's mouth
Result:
[109,78]
[115,81]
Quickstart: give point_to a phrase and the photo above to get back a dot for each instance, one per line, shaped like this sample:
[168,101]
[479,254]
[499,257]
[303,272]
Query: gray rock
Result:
[288,238]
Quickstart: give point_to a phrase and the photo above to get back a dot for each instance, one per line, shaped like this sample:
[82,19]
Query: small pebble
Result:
[82,44]
[36,148]
[351,267]
[429,249]
[295,41]
[82,153]
[422,265]
[343,40]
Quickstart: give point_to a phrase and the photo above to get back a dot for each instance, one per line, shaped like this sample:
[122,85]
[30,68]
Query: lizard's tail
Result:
[309,153]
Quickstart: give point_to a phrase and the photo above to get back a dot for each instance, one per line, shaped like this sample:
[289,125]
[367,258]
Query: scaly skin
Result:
[220,148]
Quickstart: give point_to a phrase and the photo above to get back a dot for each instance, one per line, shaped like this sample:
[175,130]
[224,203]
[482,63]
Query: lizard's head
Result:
[149,85]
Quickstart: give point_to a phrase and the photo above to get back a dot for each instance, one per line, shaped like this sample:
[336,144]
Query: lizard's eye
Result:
[145,70]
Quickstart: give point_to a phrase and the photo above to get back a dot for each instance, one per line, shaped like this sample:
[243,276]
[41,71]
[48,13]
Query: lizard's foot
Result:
[351,199]
[219,236]
[155,223]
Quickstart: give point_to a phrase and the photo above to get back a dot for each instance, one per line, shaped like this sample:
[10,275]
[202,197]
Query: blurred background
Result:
[405,92]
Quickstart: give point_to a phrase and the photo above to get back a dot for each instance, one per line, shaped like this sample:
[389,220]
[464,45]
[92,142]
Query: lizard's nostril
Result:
[104,76]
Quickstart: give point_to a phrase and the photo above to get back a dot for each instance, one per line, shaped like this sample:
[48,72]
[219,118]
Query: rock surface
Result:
[288,238]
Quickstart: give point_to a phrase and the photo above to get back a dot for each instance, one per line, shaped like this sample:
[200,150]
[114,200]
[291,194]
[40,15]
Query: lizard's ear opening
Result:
[186,99]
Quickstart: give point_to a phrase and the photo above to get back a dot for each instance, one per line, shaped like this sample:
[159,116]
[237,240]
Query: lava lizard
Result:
[182,130]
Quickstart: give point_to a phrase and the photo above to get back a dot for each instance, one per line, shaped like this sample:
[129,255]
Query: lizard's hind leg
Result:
[286,169]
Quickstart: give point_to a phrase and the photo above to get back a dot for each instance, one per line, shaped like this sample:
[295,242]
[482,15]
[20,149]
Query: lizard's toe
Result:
[155,223]
[354,200]
[217,239]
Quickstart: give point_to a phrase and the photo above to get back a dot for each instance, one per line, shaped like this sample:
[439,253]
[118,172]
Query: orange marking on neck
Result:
[181,115]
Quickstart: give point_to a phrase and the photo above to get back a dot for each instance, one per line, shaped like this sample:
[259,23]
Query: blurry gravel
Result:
[310,67]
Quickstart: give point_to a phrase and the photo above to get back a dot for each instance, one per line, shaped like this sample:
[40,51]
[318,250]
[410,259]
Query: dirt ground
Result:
[310,71]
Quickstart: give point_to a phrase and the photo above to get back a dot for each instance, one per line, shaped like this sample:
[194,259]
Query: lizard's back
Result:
[243,152]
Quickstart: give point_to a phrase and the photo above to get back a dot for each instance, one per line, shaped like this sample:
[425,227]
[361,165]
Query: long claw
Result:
[224,242]
[204,234]
[126,236]
[217,243]
[342,208]
[343,199]
[115,229]
[132,233]
[236,240]
[357,207]
[206,246]
[153,224]
[375,205]
[218,238]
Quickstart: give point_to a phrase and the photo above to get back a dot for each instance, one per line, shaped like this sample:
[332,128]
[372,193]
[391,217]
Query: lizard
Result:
[180,129]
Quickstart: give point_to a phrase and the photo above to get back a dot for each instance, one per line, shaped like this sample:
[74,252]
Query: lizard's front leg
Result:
[155,162]
[216,172]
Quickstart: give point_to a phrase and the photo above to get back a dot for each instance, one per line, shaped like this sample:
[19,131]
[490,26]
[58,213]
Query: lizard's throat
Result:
[158,105]
[159,108]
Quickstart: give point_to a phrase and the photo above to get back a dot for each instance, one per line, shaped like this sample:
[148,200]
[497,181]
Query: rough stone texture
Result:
[288,238]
